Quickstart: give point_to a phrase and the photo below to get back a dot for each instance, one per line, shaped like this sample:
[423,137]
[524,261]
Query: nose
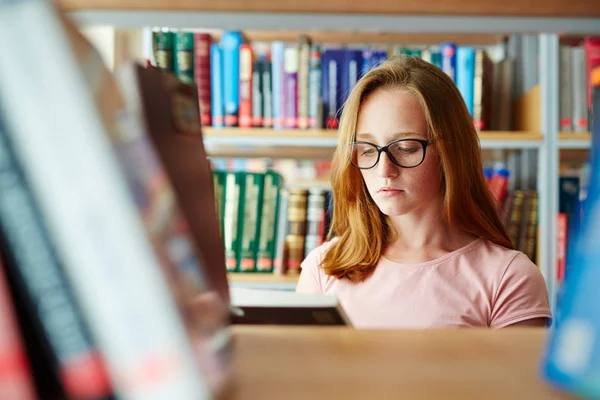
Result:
[386,168]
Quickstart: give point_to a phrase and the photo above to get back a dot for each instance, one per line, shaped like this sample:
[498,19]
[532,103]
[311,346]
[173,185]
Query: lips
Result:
[388,189]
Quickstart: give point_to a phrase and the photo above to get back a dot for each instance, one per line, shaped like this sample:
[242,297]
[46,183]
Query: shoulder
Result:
[312,277]
[518,287]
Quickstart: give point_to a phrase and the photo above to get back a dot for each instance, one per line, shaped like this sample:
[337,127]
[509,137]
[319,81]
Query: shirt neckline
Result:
[436,260]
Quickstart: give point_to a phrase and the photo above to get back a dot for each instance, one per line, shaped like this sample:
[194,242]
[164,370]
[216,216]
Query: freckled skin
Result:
[383,115]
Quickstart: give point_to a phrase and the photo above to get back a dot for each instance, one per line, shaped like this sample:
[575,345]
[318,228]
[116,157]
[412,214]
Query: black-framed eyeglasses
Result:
[405,153]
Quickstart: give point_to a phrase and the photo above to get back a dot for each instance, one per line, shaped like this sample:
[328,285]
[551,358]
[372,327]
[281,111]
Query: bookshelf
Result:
[465,21]
[262,280]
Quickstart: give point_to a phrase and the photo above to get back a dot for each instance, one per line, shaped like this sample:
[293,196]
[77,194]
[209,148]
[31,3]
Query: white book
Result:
[278,307]
[59,137]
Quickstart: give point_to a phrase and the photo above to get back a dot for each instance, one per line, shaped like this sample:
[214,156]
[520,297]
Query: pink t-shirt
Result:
[479,285]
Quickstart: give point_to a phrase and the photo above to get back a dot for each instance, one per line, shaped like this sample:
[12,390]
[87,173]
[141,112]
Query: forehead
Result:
[390,113]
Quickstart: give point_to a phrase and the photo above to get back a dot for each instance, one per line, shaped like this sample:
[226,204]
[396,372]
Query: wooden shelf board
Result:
[370,37]
[546,8]
[579,136]
[241,277]
[311,134]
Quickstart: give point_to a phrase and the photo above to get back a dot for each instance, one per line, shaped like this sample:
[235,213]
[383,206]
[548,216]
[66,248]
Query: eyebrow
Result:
[395,136]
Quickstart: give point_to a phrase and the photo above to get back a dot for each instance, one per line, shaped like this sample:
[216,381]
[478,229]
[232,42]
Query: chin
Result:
[394,210]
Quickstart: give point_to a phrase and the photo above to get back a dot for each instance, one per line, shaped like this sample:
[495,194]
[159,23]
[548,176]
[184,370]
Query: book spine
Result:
[202,44]
[246,85]
[592,56]
[216,80]
[219,181]
[267,91]
[257,94]
[250,222]
[266,242]
[331,81]
[82,370]
[513,227]
[448,51]
[231,42]
[277,86]
[465,75]
[16,381]
[315,102]
[367,60]
[315,218]
[561,248]
[184,56]
[280,264]
[566,90]
[291,87]
[303,82]
[478,90]
[165,46]
[297,228]
[580,109]
[233,189]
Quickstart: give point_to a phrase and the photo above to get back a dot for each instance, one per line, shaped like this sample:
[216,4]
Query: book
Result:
[66,154]
[202,43]
[274,307]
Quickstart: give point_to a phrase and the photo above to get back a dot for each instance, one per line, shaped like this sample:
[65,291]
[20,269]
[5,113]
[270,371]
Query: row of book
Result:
[577,61]
[109,240]
[304,85]
[267,226]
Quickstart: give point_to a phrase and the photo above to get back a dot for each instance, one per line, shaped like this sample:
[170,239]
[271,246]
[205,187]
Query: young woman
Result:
[418,240]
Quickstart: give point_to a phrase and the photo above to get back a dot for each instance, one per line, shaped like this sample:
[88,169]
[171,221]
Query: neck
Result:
[426,228]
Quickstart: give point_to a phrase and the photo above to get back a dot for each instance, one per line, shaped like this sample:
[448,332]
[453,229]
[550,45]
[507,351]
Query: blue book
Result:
[465,75]
[572,358]
[367,63]
[379,57]
[448,51]
[277,76]
[350,72]
[331,75]
[231,42]
[217,104]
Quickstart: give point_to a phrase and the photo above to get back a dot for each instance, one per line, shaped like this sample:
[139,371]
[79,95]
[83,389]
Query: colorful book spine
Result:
[465,75]
[231,42]
[367,57]
[281,253]
[246,74]
[290,68]
[257,94]
[231,216]
[315,99]
[265,255]
[39,268]
[219,182]
[296,237]
[277,86]
[267,92]
[580,87]
[482,90]
[436,56]
[165,48]
[448,51]
[565,121]
[250,221]
[184,56]
[202,66]
[592,56]
[216,85]
[303,82]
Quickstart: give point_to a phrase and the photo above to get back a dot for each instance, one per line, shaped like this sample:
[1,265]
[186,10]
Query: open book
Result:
[257,306]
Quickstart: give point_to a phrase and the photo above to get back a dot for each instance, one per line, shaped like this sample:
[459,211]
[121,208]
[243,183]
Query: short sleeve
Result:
[521,295]
[311,276]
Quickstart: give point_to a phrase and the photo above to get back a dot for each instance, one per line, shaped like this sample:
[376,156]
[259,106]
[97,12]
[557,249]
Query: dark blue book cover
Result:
[332,63]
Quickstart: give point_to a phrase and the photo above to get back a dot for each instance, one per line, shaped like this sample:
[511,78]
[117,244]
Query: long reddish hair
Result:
[362,230]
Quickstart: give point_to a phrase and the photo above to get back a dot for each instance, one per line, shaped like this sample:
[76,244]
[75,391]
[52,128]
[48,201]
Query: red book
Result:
[15,376]
[592,55]
[246,65]
[561,248]
[202,42]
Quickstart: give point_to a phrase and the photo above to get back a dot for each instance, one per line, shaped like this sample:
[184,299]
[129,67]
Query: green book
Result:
[233,200]
[164,50]
[219,181]
[267,238]
[249,225]
[184,56]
